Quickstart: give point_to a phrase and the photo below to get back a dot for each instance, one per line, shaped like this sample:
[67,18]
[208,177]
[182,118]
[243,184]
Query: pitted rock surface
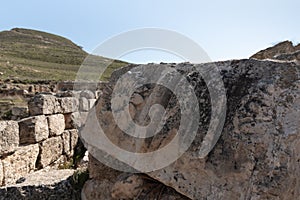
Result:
[257,155]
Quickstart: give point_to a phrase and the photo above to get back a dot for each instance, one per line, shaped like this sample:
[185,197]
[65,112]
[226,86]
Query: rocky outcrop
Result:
[256,157]
[284,51]
[294,56]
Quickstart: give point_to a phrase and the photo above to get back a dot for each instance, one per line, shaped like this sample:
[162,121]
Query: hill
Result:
[29,55]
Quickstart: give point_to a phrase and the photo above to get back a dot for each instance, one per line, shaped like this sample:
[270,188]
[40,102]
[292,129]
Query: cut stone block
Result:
[33,129]
[50,150]
[56,124]
[43,104]
[9,136]
[70,139]
[68,104]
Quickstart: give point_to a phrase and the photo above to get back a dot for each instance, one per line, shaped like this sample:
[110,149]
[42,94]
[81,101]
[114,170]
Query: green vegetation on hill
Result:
[29,55]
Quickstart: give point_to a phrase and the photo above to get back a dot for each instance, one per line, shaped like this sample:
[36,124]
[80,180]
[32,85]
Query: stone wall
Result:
[44,134]
[80,86]
[16,93]
[20,89]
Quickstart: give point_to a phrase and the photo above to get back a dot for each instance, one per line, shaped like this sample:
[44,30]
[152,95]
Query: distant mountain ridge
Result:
[35,55]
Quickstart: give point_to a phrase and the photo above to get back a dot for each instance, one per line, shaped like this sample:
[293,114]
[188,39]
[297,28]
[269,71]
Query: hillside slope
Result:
[30,55]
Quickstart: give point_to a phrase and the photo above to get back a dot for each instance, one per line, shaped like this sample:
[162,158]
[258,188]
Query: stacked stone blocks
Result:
[47,134]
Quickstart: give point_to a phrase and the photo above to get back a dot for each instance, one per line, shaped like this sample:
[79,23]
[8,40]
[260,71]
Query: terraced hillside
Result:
[30,55]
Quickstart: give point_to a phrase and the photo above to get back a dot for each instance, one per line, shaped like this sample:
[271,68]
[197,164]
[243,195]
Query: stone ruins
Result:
[257,155]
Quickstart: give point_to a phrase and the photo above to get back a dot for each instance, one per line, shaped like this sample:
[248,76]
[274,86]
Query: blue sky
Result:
[224,29]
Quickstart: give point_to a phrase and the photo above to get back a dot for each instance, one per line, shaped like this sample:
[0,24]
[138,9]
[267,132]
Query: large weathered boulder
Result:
[9,136]
[97,189]
[33,129]
[50,150]
[103,179]
[20,163]
[257,155]
[56,124]
[109,184]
